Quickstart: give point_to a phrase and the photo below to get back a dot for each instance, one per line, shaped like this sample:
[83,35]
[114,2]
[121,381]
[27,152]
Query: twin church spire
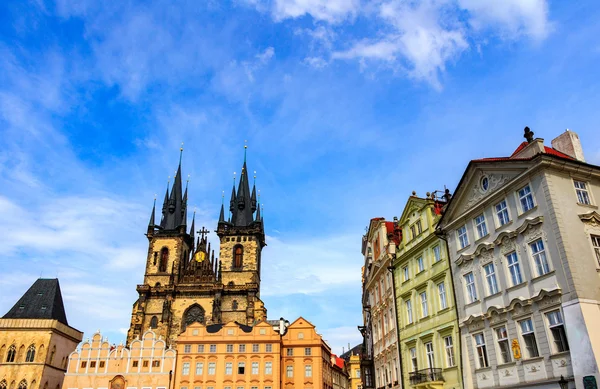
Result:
[243,204]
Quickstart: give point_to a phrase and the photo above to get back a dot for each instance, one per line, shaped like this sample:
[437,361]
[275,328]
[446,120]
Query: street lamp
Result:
[564,384]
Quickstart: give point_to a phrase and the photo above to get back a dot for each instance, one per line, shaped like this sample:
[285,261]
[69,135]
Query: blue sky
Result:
[347,107]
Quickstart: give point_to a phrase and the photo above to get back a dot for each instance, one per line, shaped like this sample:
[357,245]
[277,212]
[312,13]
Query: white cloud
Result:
[329,10]
[339,337]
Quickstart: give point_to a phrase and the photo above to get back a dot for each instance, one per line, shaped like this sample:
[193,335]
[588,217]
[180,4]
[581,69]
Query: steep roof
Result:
[43,300]
[356,350]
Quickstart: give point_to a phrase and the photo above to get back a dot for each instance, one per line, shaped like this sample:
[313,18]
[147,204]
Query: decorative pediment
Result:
[591,218]
[529,223]
[484,250]
[483,184]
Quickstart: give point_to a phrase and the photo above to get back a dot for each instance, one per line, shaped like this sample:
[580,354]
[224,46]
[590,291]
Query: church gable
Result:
[482,180]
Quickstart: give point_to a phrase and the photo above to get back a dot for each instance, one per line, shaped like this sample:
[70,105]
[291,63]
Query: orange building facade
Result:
[234,356]
[146,364]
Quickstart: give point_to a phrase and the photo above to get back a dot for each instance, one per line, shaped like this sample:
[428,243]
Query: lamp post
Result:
[564,384]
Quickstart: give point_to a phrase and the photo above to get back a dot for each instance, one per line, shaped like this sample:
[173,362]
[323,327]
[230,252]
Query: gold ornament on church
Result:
[200,256]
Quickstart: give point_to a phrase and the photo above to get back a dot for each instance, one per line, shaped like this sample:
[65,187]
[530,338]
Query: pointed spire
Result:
[258,218]
[153,214]
[222,213]
[233,198]
[253,197]
[193,223]
[175,212]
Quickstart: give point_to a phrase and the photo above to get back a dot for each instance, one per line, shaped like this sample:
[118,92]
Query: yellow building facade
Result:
[353,366]
[147,364]
[427,320]
[36,339]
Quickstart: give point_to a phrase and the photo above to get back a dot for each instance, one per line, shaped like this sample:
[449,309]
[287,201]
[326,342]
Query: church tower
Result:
[184,282]
[242,238]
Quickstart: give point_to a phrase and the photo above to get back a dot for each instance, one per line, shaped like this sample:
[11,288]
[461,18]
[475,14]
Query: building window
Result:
[539,257]
[164,257]
[229,348]
[155,363]
[185,369]
[211,368]
[557,328]
[213,348]
[308,370]
[23,384]
[407,276]
[442,294]
[241,368]
[307,351]
[409,316]
[199,368]
[528,334]
[269,348]
[84,364]
[234,305]
[514,268]
[430,356]
[437,254]
[255,348]
[30,354]
[238,256]
[413,358]
[135,363]
[482,357]
[481,226]
[471,291]
[449,345]
[144,364]
[596,245]
[420,264]
[424,310]
[242,348]
[289,371]
[255,368]
[187,348]
[385,323]
[419,227]
[502,213]
[525,198]
[289,352]
[12,351]
[268,368]
[503,346]
[154,322]
[463,240]
[228,368]
[490,276]
[200,348]
[583,196]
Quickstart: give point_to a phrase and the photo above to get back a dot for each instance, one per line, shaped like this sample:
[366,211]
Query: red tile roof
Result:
[547,150]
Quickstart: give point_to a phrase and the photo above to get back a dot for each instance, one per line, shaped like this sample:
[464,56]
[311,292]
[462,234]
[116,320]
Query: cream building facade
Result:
[36,339]
[524,242]
[147,364]
[427,316]
[379,248]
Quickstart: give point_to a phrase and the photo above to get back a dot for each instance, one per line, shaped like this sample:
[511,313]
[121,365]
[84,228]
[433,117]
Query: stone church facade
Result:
[184,282]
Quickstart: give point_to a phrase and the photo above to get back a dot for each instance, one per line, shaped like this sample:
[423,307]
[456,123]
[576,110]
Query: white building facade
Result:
[523,237]
[378,292]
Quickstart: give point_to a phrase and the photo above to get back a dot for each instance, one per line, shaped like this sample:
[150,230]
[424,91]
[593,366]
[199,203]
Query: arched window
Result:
[21,353]
[40,353]
[164,257]
[30,354]
[195,313]
[2,351]
[12,353]
[238,256]
[23,384]
[32,386]
[3,384]
[52,355]
[234,305]
[155,257]
[154,322]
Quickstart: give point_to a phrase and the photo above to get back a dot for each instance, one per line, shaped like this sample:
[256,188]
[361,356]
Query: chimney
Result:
[568,143]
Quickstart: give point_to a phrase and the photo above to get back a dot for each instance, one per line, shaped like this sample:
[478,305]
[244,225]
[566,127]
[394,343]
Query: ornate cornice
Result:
[592,218]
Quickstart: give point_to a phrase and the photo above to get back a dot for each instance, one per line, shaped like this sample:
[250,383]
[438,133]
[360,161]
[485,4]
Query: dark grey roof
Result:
[353,351]
[42,300]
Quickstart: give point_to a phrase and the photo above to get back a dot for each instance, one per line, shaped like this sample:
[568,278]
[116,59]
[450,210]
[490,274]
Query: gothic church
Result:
[185,283]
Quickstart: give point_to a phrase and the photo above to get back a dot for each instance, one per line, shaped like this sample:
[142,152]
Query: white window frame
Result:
[559,322]
[268,368]
[442,295]
[502,211]
[199,368]
[307,370]
[462,237]
[481,347]
[185,368]
[212,368]
[408,306]
[420,264]
[268,348]
[229,348]
[540,256]
[514,269]
[530,330]
[437,253]
[187,348]
[289,371]
[526,200]
[491,279]
[413,358]
[213,348]
[480,226]
[583,193]
[406,273]
[449,348]
[470,287]
[228,368]
[595,239]
[430,354]
[424,307]
[255,368]
[255,348]
[200,348]
[501,334]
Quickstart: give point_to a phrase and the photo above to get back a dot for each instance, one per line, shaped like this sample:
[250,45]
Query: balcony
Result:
[425,375]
